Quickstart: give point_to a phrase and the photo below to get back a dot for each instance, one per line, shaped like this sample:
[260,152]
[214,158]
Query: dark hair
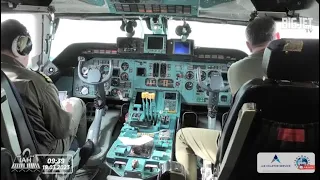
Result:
[260,30]
[10,29]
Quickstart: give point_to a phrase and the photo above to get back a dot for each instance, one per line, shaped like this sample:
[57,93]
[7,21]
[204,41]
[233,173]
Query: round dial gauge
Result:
[189,85]
[115,82]
[124,76]
[114,92]
[84,90]
[189,75]
[124,66]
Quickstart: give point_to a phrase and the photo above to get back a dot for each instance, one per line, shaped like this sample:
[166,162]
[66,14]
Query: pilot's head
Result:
[15,40]
[259,33]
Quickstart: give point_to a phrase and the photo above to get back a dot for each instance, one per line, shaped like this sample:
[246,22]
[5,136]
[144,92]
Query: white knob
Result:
[85,90]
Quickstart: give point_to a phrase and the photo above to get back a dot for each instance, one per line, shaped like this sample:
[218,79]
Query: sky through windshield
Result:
[204,34]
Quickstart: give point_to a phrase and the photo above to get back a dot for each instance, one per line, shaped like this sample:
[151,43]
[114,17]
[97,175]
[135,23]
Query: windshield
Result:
[204,34]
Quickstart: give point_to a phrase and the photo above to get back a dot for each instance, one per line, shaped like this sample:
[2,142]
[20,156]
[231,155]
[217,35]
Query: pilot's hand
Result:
[67,105]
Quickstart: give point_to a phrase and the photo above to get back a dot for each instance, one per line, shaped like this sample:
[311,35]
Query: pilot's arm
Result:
[56,119]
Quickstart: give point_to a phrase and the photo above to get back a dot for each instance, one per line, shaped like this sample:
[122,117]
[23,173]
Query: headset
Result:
[21,46]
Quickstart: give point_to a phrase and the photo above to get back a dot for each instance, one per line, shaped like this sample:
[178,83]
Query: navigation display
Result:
[182,48]
[155,42]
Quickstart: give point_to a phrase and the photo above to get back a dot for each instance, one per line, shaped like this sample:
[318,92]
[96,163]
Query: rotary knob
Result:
[84,90]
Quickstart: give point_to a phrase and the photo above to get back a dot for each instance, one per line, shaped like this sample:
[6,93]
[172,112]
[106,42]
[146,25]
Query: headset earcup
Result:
[21,46]
[28,47]
[14,47]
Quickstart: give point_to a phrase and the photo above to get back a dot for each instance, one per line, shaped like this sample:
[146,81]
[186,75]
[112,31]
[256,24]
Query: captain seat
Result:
[276,114]
[15,123]
[15,120]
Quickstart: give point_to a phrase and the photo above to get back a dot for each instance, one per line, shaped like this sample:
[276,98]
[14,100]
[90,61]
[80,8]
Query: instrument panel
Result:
[130,75]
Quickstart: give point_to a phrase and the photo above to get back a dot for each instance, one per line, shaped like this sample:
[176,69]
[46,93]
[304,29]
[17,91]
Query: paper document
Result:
[63,95]
[135,141]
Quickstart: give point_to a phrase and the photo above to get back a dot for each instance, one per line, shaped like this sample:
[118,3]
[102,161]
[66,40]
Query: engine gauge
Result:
[124,76]
[189,75]
[115,82]
[124,66]
[84,71]
[151,82]
[189,85]
[114,92]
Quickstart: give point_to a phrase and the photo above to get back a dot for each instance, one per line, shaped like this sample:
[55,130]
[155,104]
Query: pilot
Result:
[193,142]
[259,33]
[54,123]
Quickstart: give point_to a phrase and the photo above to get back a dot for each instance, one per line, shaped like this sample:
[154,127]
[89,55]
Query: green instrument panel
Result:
[131,75]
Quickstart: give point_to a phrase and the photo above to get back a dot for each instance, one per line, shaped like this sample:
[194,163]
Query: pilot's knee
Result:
[180,135]
[77,102]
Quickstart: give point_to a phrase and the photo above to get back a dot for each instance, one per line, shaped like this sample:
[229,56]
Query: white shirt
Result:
[244,70]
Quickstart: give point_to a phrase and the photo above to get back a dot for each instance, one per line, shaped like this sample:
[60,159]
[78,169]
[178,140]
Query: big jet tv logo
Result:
[297,23]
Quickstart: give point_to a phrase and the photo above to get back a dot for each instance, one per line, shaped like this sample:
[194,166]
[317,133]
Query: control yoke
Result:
[216,86]
[94,77]
[216,82]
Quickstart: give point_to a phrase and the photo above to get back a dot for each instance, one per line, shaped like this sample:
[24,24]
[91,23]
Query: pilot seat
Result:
[17,133]
[16,130]
[274,115]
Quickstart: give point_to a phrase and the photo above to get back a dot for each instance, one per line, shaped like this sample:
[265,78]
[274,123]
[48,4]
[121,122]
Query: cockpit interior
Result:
[139,90]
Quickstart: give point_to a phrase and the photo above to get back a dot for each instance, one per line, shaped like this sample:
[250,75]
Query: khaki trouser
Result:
[78,124]
[203,142]
[193,142]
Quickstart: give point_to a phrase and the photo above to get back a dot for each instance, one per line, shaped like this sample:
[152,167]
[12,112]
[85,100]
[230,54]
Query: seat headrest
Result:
[292,60]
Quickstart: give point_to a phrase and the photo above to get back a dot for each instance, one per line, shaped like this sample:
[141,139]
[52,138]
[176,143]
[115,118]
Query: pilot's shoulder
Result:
[44,76]
[40,81]
[242,63]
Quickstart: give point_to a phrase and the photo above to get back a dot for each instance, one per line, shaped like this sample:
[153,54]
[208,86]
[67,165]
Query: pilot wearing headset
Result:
[55,124]
[192,142]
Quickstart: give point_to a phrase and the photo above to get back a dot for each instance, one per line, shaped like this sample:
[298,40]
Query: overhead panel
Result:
[156,7]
